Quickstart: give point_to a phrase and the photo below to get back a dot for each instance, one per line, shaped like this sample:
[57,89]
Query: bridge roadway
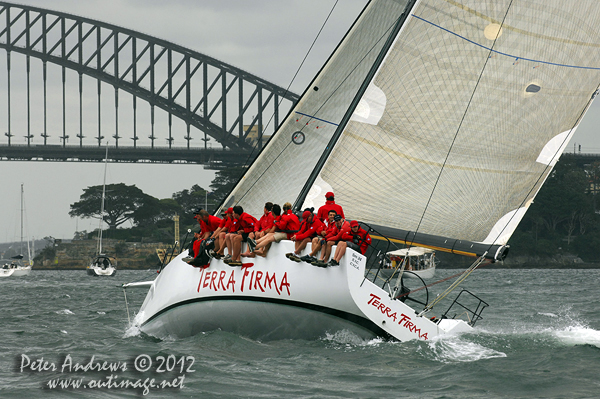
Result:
[211,158]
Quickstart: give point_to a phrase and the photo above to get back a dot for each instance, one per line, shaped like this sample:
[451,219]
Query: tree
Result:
[154,211]
[120,204]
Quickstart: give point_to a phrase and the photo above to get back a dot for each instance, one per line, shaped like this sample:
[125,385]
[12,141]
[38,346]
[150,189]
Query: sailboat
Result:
[15,266]
[435,123]
[102,264]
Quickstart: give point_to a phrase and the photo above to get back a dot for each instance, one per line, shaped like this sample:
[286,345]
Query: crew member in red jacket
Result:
[341,226]
[196,244]
[357,239]
[209,224]
[272,235]
[288,223]
[245,226]
[319,242]
[219,234]
[265,223]
[309,228]
[330,205]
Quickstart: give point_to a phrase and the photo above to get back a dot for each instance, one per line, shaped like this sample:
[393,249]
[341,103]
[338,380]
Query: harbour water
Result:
[540,338]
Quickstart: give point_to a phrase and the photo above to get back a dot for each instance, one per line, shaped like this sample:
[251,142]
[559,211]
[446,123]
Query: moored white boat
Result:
[102,265]
[14,269]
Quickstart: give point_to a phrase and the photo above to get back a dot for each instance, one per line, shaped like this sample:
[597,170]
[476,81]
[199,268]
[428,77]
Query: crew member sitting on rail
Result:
[245,226]
[264,225]
[219,234]
[330,205]
[319,241]
[208,222]
[332,238]
[263,243]
[357,239]
[286,225]
[310,227]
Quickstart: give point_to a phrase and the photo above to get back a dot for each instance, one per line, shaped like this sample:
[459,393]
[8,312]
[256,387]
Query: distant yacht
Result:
[102,264]
[14,266]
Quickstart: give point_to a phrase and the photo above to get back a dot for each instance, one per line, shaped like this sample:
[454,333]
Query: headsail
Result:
[452,139]
[281,170]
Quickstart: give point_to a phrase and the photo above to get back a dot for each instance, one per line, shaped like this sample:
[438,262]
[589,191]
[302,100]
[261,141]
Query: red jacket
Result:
[329,206]
[360,238]
[336,233]
[309,230]
[226,224]
[288,223]
[246,222]
[212,224]
[196,247]
[265,223]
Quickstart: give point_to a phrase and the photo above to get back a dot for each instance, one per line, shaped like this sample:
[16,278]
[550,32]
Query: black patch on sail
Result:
[532,88]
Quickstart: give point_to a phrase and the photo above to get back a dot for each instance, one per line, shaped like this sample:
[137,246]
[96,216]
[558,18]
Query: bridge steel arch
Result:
[188,85]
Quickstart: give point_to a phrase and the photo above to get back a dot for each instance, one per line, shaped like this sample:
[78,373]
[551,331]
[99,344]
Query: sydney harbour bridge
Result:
[69,85]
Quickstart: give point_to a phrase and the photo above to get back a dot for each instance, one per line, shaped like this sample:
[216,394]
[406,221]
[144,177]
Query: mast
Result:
[342,125]
[102,204]
[21,245]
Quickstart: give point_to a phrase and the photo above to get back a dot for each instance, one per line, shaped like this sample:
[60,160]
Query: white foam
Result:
[132,331]
[101,312]
[64,311]
[579,335]
[548,314]
[453,349]
[346,337]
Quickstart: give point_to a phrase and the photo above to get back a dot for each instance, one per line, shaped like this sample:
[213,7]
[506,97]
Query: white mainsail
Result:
[454,135]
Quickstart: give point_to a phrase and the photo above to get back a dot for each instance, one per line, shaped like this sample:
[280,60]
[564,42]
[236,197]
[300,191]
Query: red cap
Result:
[306,214]
[329,194]
[353,223]
[229,210]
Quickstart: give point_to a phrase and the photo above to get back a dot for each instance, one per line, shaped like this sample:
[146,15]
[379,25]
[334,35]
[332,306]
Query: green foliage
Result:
[48,253]
[189,201]
[224,181]
[560,216]
[155,211]
[588,247]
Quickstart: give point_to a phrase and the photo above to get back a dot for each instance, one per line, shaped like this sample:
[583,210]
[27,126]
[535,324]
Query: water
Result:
[540,338]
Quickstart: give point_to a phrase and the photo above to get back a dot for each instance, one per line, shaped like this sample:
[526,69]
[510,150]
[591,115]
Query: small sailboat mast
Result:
[21,245]
[102,203]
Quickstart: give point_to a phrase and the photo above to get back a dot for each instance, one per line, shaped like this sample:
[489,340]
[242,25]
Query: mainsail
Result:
[453,136]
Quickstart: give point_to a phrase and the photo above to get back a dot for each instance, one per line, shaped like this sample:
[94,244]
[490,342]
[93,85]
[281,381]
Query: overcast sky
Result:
[268,38]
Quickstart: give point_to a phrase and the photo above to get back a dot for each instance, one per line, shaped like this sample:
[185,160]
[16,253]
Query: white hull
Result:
[16,271]
[99,271]
[272,298]
[423,273]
